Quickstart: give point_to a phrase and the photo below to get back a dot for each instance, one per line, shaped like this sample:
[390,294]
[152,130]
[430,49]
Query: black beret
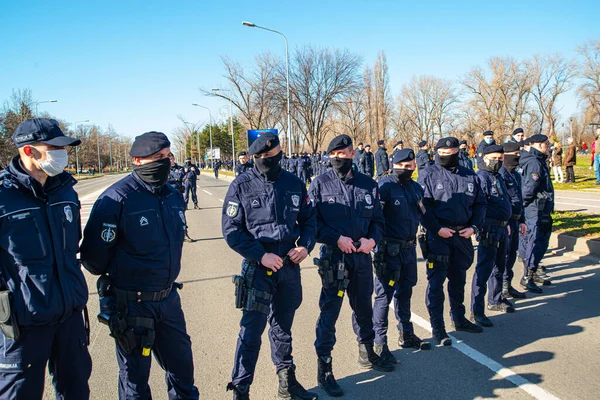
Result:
[518,130]
[462,142]
[264,143]
[511,146]
[403,155]
[242,153]
[188,159]
[539,138]
[380,142]
[367,145]
[339,142]
[398,142]
[488,133]
[422,143]
[149,143]
[526,142]
[492,148]
[42,130]
[360,143]
[447,143]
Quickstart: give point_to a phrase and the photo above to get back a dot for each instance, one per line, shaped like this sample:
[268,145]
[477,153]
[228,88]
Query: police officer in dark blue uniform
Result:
[397,147]
[191,172]
[42,289]
[488,139]
[512,179]
[382,163]
[292,164]
[493,238]
[350,223]
[395,259]
[517,136]
[455,209]
[423,159]
[538,200]
[359,158]
[244,164]
[369,162]
[269,220]
[176,175]
[304,165]
[463,156]
[133,239]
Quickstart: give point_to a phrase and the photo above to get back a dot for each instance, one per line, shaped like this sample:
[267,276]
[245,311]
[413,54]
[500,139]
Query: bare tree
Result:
[589,90]
[352,117]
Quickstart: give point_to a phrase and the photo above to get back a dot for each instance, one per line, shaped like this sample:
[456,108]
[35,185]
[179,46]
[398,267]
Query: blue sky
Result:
[138,64]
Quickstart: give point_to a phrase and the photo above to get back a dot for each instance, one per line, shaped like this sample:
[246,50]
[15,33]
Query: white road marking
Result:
[575,198]
[207,192]
[221,200]
[575,204]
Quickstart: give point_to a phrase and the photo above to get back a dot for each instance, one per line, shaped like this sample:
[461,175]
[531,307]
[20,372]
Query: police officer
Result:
[397,147]
[538,200]
[423,159]
[304,165]
[359,155]
[463,156]
[133,239]
[269,220]
[42,289]
[216,166]
[517,225]
[517,136]
[350,224]
[493,238]
[369,162]
[293,165]
[488,139]
[395,259]
[191,172]
[455,210]
[244,164]
[176,175]
[381,160]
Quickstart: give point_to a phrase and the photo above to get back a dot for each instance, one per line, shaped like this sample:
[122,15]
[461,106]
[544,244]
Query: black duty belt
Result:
[501,224]
[139,296]
[515,216]
[456,228]
[404,244]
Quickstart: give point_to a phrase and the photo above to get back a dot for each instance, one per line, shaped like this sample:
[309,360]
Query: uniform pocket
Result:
[258,209]
[292,207]
[332,206]
[25,241]
[145,230]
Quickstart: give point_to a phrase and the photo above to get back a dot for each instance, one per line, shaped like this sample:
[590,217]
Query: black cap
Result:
[511,146]
[422,143]
[403,155]
[488,133]
[380,142]
[242,153]
[447,143]
[492,148]
[339,142]
[462,142]
[149,143]
[518,130]
[264,143]
[539,138]
[42,130]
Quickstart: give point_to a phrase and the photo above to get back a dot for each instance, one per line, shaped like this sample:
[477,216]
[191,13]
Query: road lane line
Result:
[576,204]
[207,192]
[574,198]
[221,200]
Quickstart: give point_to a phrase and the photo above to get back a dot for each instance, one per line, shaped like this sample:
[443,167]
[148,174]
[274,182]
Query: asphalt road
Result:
[580,200]
[547,349]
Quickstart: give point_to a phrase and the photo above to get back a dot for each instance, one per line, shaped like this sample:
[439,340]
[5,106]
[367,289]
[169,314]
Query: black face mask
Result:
[269,166]
[341,165]
[511,161]
[188,163]
[403,175]
[448,162]
[538,153]
[155,173]
[494,166]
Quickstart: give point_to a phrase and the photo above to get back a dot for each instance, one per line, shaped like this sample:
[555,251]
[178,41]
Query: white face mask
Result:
[55,163]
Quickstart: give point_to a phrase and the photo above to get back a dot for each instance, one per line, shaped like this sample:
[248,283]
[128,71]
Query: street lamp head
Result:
[215,89]
[248,24]
[53,101]
[197,105]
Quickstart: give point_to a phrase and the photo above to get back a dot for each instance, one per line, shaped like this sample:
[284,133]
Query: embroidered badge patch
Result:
[368,199]
[470,187]
[295,200]
[439,186]
[535,177]
[143,221]
[182,216]
[232,209]
[68,213]
[108,234]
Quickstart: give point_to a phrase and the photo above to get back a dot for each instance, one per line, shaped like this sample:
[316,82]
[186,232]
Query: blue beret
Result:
[264,143]
[447,143]
[422,143]
[403,156]
[339,142]
[42,130]
[511,146]
[492,148]
[380,142]
[488,133]
[518,130]
[149,143]
[539,138]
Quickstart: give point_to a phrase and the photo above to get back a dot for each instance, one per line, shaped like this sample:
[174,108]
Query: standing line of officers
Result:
[134,237]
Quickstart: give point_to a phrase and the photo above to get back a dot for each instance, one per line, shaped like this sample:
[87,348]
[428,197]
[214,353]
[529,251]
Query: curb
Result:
[579,246]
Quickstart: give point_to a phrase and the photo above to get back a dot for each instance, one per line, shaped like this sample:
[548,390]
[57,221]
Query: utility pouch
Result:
[240,291]
[393,249]
[8,321]
[423,245]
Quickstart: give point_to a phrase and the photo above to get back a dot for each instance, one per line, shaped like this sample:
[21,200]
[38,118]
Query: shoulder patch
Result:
[232,209]
[535,177]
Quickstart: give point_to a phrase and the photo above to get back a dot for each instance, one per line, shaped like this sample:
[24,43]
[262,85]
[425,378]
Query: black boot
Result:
[383,351]
[240,392]
[408,340]
[290,388]
[504,306]
[368,359]
[325,378]
[505,292]
[196,206]
[528,283]
[542,278]
[467,326]
[482,320]
[442,337]
[514,293]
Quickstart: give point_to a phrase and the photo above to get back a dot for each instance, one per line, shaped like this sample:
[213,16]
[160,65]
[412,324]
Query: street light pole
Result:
[197,141]
[212,164]
[77,147]
[40,102]
[287,79]
[230,124]
[98,142]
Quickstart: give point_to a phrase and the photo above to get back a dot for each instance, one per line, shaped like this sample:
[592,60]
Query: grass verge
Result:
[576,224]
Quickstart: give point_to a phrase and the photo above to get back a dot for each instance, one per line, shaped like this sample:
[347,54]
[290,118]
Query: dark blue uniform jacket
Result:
[536,180]
[135,234]
[512,180]
[400,207]
[497,197]
[382,162]
[40,229]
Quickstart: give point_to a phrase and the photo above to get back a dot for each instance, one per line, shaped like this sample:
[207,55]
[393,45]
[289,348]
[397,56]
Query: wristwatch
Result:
[475,230]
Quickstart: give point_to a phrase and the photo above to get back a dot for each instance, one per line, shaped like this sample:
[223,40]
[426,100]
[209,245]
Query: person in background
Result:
[369,162]
[596,157]
[557,164]
[570,160]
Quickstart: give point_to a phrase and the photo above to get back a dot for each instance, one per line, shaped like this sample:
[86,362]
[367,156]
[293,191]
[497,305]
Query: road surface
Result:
[580,200]
[547,349]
